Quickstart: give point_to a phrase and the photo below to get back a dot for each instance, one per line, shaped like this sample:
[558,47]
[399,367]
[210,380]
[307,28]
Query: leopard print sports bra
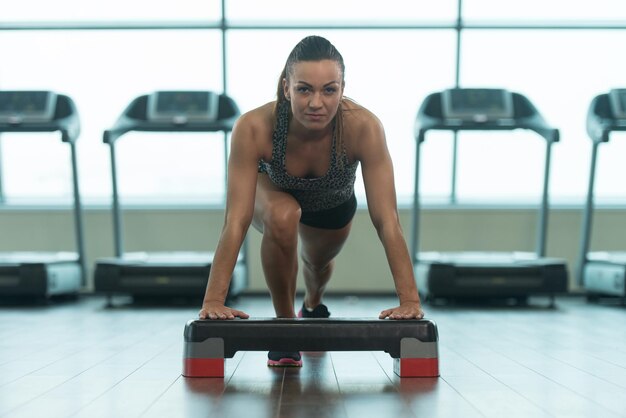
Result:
[313,194]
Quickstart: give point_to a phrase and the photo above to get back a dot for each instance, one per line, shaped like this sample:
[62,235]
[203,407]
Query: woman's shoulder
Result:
[358,118]
[260,119]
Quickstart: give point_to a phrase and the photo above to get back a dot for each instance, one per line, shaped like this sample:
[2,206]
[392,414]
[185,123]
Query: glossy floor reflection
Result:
[83,360]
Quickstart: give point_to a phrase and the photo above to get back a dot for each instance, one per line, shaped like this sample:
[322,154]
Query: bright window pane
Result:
[500,166]
[110,10]
[345,11]
[607,10]
[161,167]
[41,161]
[389,73]
[103,71]
[561,86]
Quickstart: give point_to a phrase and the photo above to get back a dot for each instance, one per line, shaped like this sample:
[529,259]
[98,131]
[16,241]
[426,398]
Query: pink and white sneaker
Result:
[284,359]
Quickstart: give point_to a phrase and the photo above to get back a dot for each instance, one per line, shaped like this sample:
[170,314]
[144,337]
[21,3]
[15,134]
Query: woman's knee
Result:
[280,221]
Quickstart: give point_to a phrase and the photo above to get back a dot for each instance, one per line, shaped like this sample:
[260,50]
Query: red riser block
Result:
[416,367]
[203,367]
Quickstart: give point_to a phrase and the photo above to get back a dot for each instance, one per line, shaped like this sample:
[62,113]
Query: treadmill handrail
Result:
[526,116]
[65,120]
[600,119]
[134,118]
[600,123]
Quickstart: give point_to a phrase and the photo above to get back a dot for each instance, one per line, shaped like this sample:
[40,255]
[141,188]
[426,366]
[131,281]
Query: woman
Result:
[291,174]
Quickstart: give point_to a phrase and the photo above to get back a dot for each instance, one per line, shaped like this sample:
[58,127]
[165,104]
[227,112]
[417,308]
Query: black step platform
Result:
[412,343]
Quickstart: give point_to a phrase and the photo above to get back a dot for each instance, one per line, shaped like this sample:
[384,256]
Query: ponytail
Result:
[314,48]
[280,91]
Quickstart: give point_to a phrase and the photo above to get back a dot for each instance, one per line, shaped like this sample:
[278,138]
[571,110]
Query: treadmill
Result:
[601,273]
[485,275]
[176,274]
[40,275]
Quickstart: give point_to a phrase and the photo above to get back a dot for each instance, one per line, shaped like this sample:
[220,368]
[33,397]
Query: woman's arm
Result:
[377,169]
[241,189]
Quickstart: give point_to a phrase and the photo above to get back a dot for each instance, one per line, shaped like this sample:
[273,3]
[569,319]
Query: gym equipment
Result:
[44,274]
[413,344]
[169,274]
[477,275]
[601,272]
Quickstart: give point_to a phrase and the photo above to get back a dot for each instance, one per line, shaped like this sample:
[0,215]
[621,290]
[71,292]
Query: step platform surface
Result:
[412,343]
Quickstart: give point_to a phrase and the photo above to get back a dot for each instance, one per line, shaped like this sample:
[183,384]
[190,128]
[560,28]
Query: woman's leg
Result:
[318,251]
[276,216]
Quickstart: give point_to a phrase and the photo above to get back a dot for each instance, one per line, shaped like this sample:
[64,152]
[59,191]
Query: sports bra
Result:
[313,194]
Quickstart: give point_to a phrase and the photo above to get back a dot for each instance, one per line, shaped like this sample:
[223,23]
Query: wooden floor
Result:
[79,359]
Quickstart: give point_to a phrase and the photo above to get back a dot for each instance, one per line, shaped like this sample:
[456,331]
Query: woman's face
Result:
[315,89]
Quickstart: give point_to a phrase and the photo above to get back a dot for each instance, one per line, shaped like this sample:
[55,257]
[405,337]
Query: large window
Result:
[396,53]
[103,71]
[561,85]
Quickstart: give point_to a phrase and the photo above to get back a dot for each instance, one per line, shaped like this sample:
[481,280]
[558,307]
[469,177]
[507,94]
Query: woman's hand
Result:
[217,310]
[406,310]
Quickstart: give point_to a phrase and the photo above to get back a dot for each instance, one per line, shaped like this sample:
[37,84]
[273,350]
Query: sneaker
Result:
[320,311]
[284,359]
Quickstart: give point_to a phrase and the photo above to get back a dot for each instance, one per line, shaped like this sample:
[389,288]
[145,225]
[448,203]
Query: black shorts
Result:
[334,218]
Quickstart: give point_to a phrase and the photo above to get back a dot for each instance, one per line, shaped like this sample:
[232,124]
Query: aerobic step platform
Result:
[413,344]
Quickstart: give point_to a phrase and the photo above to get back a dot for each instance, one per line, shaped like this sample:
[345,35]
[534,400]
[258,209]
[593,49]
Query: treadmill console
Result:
[18,107]
[617,97]
[477,105]
[180,107]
